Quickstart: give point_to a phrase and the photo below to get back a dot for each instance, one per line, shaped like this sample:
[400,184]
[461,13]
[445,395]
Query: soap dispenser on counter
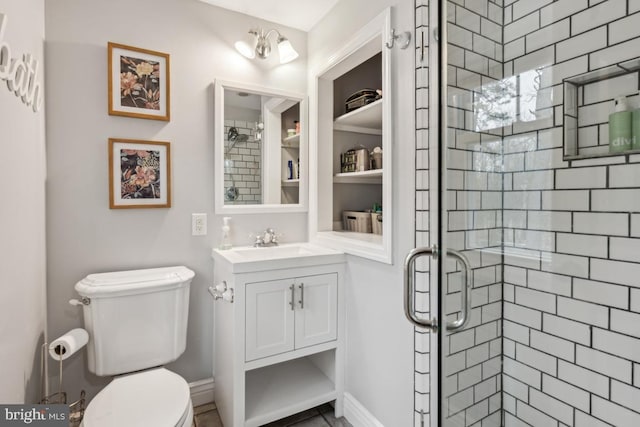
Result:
[620,138]
[225,243]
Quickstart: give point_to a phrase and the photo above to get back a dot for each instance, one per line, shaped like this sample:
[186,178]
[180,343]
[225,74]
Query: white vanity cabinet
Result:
[278,347]
[289,314]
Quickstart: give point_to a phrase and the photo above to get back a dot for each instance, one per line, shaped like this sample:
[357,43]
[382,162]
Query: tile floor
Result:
[322,416]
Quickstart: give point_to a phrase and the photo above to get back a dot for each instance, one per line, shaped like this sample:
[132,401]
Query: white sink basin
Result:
[262,254]
[248,259]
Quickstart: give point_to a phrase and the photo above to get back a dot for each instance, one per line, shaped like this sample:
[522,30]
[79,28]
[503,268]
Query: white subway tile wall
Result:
[242,164]
[558,296]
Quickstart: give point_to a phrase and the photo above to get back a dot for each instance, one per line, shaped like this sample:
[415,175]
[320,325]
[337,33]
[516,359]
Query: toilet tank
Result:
[136,319]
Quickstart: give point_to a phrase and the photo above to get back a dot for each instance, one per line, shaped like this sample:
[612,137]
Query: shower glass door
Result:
[480,106]
[534,204]
[539,195]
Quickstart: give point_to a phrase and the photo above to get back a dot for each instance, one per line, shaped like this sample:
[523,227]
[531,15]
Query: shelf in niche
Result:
[367,119]
[373,176]
[367,238]
[290,182]
[366,245]
[291,141]
[600,155]
[574,101]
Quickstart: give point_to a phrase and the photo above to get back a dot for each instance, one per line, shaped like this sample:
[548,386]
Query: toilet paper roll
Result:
[65,346]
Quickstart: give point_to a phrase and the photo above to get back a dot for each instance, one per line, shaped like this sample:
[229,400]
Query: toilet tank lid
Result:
[134,281]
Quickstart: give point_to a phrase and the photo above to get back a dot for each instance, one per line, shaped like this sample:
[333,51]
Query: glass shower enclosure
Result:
[534,174]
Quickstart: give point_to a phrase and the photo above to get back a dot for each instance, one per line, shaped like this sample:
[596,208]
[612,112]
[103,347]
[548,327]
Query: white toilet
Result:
[137,322]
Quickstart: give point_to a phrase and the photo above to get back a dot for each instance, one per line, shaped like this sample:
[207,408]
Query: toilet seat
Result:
[157,397]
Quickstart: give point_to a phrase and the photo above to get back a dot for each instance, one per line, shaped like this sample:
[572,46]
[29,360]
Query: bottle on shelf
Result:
[635,129]
[620,127]
[290,169]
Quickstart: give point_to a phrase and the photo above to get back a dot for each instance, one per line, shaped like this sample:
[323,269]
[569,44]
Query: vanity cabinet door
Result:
[316,309]
[269,318]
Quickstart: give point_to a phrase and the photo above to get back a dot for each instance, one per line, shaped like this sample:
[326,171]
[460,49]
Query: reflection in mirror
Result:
[242,148]
[261,150]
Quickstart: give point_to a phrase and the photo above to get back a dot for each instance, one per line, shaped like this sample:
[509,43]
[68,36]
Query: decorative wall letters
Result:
[21,75]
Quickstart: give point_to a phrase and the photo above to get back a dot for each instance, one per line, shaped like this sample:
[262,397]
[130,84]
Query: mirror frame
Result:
[220,207]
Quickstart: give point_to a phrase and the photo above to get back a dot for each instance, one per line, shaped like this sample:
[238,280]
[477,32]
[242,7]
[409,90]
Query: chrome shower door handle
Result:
[410,289]
[465,292]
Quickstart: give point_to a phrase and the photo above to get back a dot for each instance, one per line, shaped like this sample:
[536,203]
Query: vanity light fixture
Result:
[256,42]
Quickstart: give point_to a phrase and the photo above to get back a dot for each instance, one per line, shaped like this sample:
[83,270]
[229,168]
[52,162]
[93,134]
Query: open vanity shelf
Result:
[363,63]
[296,385]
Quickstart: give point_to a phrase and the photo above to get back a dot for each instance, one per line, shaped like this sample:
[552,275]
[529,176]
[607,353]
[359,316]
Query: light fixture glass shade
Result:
[286,51]
[247,46]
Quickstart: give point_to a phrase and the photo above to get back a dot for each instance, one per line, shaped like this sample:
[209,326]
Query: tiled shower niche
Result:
[588,101]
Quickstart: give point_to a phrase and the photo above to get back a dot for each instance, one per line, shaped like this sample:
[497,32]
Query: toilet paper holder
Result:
[76,408]
[221,291]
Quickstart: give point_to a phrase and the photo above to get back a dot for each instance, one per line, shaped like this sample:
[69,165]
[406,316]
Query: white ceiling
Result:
[300,14]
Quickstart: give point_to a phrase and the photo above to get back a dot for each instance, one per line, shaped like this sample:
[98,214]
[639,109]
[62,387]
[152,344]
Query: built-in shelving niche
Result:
[588,101]
[363,63]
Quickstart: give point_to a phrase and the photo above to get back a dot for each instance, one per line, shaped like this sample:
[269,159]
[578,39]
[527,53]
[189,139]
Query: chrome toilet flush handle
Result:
[222,291]
[81,301]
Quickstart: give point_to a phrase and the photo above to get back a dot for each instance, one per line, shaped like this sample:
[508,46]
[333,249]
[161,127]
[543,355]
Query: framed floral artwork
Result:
[139,174]
[138,83]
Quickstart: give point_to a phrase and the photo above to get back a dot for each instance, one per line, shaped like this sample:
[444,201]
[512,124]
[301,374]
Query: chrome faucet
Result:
[266,239]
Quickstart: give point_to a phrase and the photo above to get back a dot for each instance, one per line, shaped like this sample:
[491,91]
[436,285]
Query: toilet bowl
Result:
[158,398]
[137,322]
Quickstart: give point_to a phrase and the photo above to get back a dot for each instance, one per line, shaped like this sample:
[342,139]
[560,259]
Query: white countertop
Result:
[247,259]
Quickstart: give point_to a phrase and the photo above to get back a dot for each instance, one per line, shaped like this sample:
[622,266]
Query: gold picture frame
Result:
[139,174]
[139,83]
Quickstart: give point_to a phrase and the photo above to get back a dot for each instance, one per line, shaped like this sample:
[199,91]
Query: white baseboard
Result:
[201,392]
[357,414]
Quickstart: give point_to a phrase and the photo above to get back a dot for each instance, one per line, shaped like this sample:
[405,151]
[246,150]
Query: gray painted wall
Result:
[22,222]
[84,236]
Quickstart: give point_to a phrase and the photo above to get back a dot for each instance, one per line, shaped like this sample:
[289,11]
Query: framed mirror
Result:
[261,149]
